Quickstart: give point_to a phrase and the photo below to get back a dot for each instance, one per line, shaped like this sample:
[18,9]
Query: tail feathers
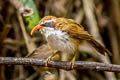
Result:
[99,47]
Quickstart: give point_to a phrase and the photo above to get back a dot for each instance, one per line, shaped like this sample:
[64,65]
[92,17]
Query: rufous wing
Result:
[76,31]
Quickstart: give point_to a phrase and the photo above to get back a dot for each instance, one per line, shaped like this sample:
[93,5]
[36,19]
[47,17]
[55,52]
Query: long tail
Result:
[99,47]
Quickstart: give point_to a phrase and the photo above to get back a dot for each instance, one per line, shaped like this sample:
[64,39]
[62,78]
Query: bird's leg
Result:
[73,61]
[49,58]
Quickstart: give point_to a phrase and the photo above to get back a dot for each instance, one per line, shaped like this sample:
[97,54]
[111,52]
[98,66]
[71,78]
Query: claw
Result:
[72,62]
[50,57]
[72,65]
[48,60]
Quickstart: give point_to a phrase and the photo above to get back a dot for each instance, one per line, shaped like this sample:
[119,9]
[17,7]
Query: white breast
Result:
[58,40]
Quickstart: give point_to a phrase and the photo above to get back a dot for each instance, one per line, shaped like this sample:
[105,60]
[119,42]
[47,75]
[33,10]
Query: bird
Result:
[66,35]
[44,51]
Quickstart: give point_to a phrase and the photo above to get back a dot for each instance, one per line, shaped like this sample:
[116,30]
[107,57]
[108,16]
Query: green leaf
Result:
[33,19]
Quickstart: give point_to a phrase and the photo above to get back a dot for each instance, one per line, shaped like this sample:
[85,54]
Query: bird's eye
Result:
[46,23]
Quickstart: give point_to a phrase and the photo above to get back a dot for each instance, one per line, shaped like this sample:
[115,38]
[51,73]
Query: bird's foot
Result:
[50,57]
[72,65]
[47,61]
[72,62]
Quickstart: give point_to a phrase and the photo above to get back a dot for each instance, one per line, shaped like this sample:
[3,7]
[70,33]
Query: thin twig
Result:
[30,45]
[4,34]
[82,65]
[114,44]
[115,11]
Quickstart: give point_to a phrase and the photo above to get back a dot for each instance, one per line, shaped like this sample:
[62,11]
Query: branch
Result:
[82,65]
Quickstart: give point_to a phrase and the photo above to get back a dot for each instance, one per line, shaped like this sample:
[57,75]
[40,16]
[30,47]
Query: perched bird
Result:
[66,35]
[44,51]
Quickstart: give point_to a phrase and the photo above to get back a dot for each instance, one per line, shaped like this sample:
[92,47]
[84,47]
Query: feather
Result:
[77,31]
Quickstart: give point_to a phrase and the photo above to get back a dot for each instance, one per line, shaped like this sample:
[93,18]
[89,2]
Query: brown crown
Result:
[47,18]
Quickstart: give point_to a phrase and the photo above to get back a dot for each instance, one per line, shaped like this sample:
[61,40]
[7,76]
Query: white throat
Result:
[48,31]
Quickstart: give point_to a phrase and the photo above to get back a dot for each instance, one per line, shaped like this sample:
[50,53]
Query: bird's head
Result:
[47,21]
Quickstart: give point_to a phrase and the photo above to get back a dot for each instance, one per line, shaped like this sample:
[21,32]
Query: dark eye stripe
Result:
[46,23]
